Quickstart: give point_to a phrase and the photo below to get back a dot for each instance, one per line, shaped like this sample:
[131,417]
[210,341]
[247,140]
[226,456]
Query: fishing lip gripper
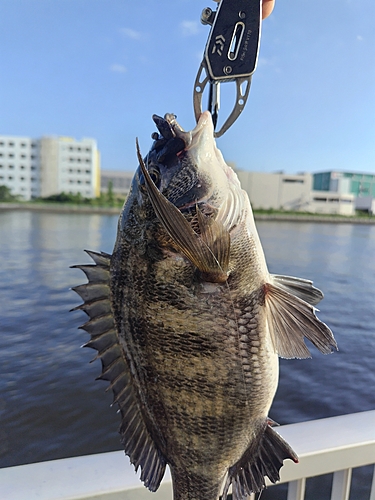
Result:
[231,54]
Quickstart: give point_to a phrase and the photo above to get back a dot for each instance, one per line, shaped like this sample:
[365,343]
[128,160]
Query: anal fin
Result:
[261,459]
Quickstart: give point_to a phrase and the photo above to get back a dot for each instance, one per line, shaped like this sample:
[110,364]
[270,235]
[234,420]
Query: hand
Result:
[267,7]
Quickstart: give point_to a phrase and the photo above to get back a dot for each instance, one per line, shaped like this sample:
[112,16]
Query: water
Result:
[50,405]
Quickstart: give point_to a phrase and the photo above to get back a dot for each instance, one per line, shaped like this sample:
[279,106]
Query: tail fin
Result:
[248,474]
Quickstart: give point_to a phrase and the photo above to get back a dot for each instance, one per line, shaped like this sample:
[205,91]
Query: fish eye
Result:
[154,172]
[155,175]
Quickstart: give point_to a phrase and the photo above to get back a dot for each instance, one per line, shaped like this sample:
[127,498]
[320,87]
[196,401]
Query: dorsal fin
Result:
[135,435]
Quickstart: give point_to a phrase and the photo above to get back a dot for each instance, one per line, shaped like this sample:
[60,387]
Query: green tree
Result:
[6,194]
[110,195]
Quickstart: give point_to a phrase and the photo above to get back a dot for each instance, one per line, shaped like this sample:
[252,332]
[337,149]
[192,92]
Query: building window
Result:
[23,156]
[32,168]
[300,181]
[87,160]
[10,177]
[1,177]
[1,143]
[1,154]
[23,145]
[78,171]
[11,155]
[33,145]
[10,143]
[22,167]
[78,149]
[10,166]
[87,182]
[87,171]
[22,178]
[32,157]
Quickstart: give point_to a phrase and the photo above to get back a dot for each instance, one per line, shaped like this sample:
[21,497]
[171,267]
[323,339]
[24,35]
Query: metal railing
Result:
[331,445]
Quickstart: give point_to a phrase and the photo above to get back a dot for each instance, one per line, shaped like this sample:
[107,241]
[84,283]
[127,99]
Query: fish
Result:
[189,324]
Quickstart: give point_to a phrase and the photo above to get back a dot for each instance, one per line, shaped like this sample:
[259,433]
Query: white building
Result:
[69,166]
[50,165]
[20,166]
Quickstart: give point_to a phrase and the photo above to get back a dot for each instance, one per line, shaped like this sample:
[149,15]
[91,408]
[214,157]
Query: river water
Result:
[50,405]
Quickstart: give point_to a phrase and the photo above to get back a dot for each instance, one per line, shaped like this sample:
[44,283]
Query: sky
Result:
[102,68]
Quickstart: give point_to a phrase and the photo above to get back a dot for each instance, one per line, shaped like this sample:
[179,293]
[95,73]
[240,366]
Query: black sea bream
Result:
[189,323]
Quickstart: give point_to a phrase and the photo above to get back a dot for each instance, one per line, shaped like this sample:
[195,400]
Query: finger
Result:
[267,7]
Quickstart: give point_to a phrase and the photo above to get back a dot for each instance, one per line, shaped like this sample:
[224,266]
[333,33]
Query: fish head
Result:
[185,197]
[187,167]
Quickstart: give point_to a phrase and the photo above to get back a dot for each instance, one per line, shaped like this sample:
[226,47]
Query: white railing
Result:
[336,445]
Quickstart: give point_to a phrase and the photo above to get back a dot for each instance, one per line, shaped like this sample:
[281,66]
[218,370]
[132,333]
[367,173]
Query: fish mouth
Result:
[169,128]
[173,141]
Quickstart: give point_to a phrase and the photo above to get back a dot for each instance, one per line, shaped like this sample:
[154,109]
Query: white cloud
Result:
[118,68]
[130,33]
[360,38]
[189,28]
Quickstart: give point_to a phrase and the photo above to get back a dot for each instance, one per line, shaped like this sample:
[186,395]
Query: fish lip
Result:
[190,138]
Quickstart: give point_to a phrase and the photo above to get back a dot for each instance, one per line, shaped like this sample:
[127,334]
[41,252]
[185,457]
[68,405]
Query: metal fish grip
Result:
[231,54]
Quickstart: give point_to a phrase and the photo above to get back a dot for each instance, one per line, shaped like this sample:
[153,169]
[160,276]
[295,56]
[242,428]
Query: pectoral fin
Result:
[209,252]
[290,319]
[302,288]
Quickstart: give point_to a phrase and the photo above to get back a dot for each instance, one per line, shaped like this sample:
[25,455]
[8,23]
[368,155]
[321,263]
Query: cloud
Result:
[189,28]
[118,68]
[130,33]
[360,38]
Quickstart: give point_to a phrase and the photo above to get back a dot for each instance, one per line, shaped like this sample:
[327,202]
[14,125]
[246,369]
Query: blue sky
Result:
[101,68]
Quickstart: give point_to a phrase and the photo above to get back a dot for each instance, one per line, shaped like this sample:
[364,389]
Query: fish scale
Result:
[188,323]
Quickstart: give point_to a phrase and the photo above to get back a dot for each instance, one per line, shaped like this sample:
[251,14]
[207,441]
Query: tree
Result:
[6,194]
[110,195]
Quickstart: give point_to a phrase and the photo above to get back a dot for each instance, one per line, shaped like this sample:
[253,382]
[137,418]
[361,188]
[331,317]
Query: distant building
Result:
[121,181]
[20,166]
[359,184]
[279,191]
[50,165]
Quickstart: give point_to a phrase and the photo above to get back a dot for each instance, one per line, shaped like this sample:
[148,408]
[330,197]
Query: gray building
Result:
[279,191]
[121,181]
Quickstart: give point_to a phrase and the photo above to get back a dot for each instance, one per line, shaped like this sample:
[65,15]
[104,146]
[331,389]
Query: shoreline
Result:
[82,209]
